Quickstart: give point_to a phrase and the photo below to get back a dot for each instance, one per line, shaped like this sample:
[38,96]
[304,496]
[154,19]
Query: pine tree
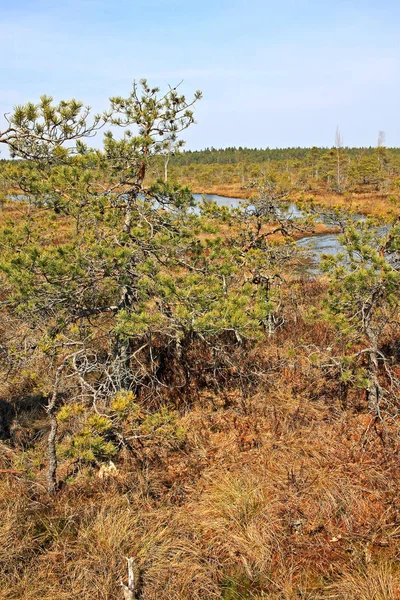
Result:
[363,303]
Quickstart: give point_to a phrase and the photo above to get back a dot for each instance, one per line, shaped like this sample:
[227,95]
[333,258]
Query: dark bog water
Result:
[316,245]
[220,200]
[321,244]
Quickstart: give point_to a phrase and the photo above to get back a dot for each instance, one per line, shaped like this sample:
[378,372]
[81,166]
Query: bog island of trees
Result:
[183,383]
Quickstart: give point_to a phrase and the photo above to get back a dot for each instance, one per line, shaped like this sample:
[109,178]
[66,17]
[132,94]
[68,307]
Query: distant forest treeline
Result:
[232,155]
[338,169]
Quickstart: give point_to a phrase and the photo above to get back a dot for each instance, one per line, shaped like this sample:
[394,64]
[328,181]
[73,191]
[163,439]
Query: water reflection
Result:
[316,245]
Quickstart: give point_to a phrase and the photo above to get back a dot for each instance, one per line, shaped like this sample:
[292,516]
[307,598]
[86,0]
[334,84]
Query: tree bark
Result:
[166,168]
[51,475]
[374,388]
[123,350]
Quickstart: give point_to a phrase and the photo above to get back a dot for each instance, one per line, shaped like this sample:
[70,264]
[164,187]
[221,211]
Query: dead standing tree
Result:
[338,146]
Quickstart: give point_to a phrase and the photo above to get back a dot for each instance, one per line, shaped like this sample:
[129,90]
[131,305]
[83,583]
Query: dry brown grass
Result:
[279,491]
[273,496]
[377,204]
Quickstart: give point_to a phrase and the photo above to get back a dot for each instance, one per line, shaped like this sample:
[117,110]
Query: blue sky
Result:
[277,74]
